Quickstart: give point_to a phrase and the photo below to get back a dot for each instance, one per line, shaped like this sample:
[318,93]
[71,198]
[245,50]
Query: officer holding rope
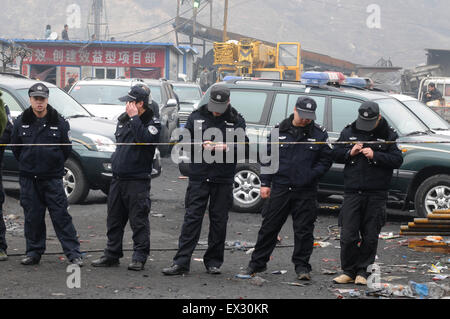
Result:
[367,176]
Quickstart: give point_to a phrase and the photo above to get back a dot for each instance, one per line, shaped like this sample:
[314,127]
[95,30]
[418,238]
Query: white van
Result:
[442,84]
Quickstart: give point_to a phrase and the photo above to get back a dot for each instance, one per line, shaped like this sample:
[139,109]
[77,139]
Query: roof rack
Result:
[15,75]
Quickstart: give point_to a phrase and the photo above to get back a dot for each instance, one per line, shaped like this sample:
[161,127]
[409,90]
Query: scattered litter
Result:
[12,217]
[257,281]
[392,278]
[238,245]
[251,250]
[240,276]
[434,239]
[61,258]
[326,260]
[198,259]
[436,269]
[158,215]
[279,272]
[440,277]
[388,236]
[183,177]
[329,272]
[321,244]
[296,284]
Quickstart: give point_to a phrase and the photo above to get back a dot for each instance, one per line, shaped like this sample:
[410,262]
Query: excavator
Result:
[249,58]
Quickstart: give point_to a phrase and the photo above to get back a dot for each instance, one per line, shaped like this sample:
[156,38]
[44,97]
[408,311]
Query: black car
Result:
[89,166]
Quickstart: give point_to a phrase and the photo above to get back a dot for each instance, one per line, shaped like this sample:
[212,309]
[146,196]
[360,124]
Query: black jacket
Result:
[435,95]
[6,136]
[134,161]
[41,161]
[300,165]
[202,120]
[360,173]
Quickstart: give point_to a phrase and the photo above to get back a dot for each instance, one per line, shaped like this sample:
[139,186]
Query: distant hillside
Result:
[334,27]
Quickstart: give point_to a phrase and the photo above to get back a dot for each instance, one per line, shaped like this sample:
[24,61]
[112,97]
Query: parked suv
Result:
[189,95]
[89,166]
[422,180]
[101,98]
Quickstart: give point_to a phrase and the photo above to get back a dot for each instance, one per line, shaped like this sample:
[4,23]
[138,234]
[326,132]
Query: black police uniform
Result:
[41,185]
[366,184]
[4,139]
[129,194]
[209,181]
[293,191]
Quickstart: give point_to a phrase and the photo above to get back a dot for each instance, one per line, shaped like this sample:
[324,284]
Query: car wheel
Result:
[247,189]
[433,194]
[75,183]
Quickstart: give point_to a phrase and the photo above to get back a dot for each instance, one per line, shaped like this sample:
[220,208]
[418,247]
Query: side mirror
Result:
[172,103]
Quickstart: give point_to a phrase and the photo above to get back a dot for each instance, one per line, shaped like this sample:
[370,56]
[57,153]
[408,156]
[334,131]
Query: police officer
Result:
[293,189]
[41,171]
[129,195]
[210,180]
[5,139]
[367,176]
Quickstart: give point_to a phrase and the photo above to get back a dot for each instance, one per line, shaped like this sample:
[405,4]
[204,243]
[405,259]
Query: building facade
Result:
[57,61]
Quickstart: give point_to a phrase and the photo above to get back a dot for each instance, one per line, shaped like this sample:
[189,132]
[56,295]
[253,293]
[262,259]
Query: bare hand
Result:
[367,153]
[265,192]
[221,147]
[208,145]
[132,109]
[356,149]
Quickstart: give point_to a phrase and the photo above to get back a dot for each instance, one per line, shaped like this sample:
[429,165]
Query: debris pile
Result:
[436,223]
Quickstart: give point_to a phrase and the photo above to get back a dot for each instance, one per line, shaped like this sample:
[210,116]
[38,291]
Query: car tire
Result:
[75,183]
[246,189]
[433,193]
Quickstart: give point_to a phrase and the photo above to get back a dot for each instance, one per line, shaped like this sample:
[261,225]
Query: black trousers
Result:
[282,203]
[128,200]
[3,245]
[361,218]
[35,197]
[220,198]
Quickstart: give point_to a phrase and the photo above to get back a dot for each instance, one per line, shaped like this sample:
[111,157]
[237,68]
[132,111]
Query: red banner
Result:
[113,57]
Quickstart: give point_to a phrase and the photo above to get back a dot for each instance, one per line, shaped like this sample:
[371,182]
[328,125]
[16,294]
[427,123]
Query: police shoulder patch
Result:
[153,130]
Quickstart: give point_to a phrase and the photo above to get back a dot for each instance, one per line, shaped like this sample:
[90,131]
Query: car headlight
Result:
[102,143]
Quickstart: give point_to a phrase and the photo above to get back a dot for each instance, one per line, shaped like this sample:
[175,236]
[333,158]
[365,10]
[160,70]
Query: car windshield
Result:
[99,94]
[156,93]
[399,116]
[62,102]
[187,94]
[427,115]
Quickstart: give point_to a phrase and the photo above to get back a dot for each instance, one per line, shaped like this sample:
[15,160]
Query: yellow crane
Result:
[251,58]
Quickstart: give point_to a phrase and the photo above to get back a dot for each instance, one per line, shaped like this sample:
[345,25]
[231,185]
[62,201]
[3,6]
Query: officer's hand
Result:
[221,147]
[265,192]
[356,149]
[132,109]
[208,145]
[368,153]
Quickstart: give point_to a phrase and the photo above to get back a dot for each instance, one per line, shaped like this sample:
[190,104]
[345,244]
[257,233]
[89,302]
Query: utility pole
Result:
[225,18]
[98,9]
[177,20]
